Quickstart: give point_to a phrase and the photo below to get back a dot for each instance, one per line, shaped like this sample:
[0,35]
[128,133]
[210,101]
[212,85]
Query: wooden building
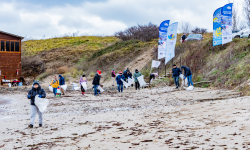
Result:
[10,56]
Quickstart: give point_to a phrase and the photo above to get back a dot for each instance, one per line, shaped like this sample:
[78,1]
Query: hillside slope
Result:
[226,66]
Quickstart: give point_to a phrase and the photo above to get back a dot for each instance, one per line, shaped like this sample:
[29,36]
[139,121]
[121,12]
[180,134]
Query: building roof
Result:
[12,34]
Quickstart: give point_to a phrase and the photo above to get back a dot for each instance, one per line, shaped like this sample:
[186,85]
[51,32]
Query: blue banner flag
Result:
[162,44]
[217,32]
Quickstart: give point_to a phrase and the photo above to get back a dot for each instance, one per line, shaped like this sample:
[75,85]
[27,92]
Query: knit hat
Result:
[99,72]
[120,72]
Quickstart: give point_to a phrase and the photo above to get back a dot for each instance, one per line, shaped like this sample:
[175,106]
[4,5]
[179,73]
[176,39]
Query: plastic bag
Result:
[141,81]
[100,88]
[130,81]
[190,88]
[184,82]
[9,84]
[125,83]
[64,87]
[84,85]
[50,88]
[41,103]
[75,87]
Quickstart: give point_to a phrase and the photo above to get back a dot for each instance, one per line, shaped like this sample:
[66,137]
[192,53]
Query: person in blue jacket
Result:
[176,73]
[188,75]
[61,83]
[36,90]
[119,82]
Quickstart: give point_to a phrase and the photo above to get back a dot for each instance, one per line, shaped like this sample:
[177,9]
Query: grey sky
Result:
[36,18]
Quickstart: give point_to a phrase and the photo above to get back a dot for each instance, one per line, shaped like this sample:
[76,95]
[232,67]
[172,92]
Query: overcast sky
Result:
[49,18]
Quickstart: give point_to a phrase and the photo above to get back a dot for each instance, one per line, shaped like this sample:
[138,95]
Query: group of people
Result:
[123,77]
[55,84]
[177,72]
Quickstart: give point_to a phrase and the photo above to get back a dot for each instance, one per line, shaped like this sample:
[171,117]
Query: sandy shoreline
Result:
[148,119]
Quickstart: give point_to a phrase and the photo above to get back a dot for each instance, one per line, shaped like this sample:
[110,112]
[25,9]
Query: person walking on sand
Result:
[119,79]
[55,84]
[176,73]
[36,90]
[127,75]
[96,81]
[83,82]
[61,83]
[135,76]
[113,75]
[188,75]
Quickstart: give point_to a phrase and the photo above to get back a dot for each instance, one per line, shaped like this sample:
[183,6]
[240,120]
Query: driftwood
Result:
[203,82]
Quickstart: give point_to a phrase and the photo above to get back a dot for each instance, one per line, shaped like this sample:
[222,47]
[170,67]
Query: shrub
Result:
[62,70]
[139,32]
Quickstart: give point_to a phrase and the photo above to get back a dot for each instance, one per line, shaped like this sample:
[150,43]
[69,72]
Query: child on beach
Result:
[83,83]
[55,84]
[36,90]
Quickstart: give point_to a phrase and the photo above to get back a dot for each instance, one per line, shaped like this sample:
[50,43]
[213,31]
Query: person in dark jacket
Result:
[36,90]
[176,73]
[61,83]
[183,37]
[127,75]
[119,82]
[188,75]
[96,81]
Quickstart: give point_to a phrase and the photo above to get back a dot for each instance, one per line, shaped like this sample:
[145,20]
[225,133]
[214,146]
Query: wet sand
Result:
[148,119]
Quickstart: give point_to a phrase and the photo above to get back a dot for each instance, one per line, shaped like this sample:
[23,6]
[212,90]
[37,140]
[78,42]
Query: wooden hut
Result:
[10,57]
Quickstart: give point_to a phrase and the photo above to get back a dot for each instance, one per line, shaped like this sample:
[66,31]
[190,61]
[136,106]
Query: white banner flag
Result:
[171,41]
[155,64]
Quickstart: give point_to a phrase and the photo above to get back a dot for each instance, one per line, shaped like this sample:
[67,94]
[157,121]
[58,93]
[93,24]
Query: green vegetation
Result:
[32,47]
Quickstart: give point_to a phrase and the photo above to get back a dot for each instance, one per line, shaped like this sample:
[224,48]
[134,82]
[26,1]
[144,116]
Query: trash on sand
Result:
[41,103]
[141,81]
[190,88]
[75,87]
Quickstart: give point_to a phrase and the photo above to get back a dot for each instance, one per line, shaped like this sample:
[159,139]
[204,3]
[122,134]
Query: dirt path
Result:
[141,61]
[159,118]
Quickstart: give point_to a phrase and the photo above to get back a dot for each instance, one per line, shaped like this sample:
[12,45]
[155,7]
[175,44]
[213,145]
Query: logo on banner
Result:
[229,7]
[166,24]
[171,37]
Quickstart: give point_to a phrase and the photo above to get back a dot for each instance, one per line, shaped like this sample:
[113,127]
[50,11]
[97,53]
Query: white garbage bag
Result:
[184,82]
[50,88]
[75,87]
[9,84]
[41,103]
[100,88]
[125,84]
[141,81]
[190,88]
[130,81]
[84,85]
[64,87]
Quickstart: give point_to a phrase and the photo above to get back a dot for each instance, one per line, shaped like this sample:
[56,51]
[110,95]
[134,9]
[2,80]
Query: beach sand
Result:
[161,118]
